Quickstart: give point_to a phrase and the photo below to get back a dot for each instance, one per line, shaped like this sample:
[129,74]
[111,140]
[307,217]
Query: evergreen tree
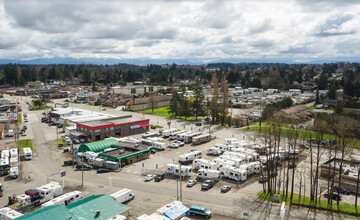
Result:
[317,101]
[197,105]
[332,92]
[174,104]
[349,89]
[338,107]
[322,82]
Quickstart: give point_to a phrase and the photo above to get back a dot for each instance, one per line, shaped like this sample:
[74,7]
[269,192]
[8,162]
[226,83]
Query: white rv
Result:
[237,161]
[230,140]
[14,161]
[203,164]
[174,136]
[208,174]
[174,169]
[27,153]
[7,213]
[188,138]
[159,146]
[189,157]
[156,139]
[147,142]
[50,191]
[223,147]
[123,195]
[180,137]
[168,132]
[233,173]
[14,153]
[213,151]
[5,153]
[223,162]
[65,199]
[14,172]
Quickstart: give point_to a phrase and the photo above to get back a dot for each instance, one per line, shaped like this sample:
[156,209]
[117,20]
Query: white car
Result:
[26,119]
[23,133]
[174,145]
[191,183]
[180,143]
[149,177]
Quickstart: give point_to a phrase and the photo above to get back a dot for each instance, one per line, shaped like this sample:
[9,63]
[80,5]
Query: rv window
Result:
[231,173]
[205,174]
[77,196]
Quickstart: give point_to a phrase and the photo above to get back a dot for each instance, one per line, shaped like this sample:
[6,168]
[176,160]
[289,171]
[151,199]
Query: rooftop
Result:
[125,150]
[115,121]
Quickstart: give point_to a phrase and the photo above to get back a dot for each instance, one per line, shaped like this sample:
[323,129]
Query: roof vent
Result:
[97,213]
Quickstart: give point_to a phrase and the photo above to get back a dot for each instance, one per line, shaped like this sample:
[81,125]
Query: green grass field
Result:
[163,112]
[343,207]
[26,143]
[20,121]
[35,107]
[313,107]
[304,133]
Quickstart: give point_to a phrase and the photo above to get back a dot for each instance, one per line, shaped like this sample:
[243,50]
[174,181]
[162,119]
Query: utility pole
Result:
[180,183]
[82,170]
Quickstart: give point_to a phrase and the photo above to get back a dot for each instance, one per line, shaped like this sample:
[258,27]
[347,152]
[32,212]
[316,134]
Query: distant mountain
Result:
[111,61]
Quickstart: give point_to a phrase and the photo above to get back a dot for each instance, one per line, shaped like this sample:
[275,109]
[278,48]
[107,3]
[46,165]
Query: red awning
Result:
[144,125]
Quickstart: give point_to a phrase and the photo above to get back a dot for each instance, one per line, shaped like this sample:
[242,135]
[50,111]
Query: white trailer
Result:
[7,213]
[14,162]
[223,147]
[174,169]
[145,136]
[181,136]
[203,164]
[27,153]
[230,140]
[5,153]
[147,142]
[189,157]
[174,136]
[89,155]
[156,139]
[222,162]
[123,195]
[233,173]
[50,191]
[213,151]
[65,199]
[98,162]
[237,161]
[159,145]
[208,174]
[14,172]
[14,153]
[188,138]
[168,132]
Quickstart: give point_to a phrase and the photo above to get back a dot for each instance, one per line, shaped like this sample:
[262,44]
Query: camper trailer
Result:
[4,166]
[168,132]
[50,191]
[145,136]
[7,213]
[223,147]
[27,153]
[174,169]
[5,153]
[237,161]
[65,199]
[203,164]
[14,153]
[233,173]
[159,146]
[147,142]
[188,138]
[174,136]
[222,162]
[189,157]
[181,136]
[201,139]
[230,140]
[123,195]
[213,151]
[208,174]
[156,139]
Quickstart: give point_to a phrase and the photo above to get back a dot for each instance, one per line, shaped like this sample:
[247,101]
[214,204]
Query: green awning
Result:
[97,146]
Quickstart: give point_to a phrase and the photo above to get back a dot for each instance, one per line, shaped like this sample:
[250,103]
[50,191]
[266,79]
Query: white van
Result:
[11,133]
[27,153]
[123,195]
[159,146]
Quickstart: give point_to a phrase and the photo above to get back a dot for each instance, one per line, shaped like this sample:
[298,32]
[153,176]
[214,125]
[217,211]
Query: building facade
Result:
[134,90]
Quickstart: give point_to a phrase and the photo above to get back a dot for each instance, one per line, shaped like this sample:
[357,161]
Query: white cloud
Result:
[192,30]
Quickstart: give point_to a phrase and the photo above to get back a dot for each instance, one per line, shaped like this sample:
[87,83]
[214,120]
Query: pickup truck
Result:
[208,184]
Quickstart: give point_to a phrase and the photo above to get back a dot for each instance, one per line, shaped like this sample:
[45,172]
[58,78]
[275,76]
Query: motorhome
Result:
[50,191]
[223,147]
[188,138]
[65,199]
[156,139]
[4,166]
[14,172]
[147,142]
[189,157]
[174,169]
[233,173]
[222,162]
[89,155]
[159,145]
[5,153]
[7,213]
[123,195]
[203,164]
[208,174]
[14,162]
[237,161]
[174,136]
[213,151]
[11,133]
[180,137]
[150,135]
[168,132]
[14,153]
[201,139]
[230,140]
[27,153]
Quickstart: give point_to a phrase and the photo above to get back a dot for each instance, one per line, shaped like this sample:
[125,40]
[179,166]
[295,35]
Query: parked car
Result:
[200,211]
[23,133]
[75,141]
[334,195]
[24,127]
[149,177]
[103,170]
[104,109]
[191,183]
[83,167]
[208,184]
[341,189]
[82,140]
[70,162]
[52,123]
[174,145]
[180,143]
[153,127]
[159,177]
[153,151]
[60,125]
[225,188]
[44,119]
[198,123]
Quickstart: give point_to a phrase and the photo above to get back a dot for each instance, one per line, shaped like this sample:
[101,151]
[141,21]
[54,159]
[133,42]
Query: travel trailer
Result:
[180,137]
[222,162]
[27,153]
[237,161]
[213,151]
[208,174]
[203,164]
[189,157]
[167,133]
[233,173]
[201,139]
[174,169]
[188,138]
[65,199]
[49,191]
[159,145]
[174,136]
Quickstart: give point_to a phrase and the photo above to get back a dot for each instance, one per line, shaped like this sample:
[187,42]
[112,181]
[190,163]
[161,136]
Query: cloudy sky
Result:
[196,30]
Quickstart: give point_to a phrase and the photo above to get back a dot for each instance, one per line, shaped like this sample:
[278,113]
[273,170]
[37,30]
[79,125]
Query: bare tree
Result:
[153,103]
[225,100]
[214,107]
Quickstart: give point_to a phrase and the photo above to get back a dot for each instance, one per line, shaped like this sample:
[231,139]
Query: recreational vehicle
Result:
[203,164]
[159,146]
[123,195]
[150,135]
[189,157]
[237,161]
[223,147]
[65,199]
[201,139]
[208,174]
[27,153]
[174,136]
[50,191]
[4,166]
[174,169]
[213,151]
[233,173]
[188,138]
[181,136]
[14,153]
[168,132]
[5,153]
[223,162]
[7,213]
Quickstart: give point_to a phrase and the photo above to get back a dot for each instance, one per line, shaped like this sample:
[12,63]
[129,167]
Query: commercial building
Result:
[121,126]
[134,90]
[127,152]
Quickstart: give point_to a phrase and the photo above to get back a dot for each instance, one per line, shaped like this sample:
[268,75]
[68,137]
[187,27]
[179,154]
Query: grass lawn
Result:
[35,107]
[26,143]
[343,207]
[20,121]
[313,107]
[163,112]
[303,132]
[60,141]
[157,126]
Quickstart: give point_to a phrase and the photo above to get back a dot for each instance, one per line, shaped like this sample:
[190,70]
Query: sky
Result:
[197,31]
